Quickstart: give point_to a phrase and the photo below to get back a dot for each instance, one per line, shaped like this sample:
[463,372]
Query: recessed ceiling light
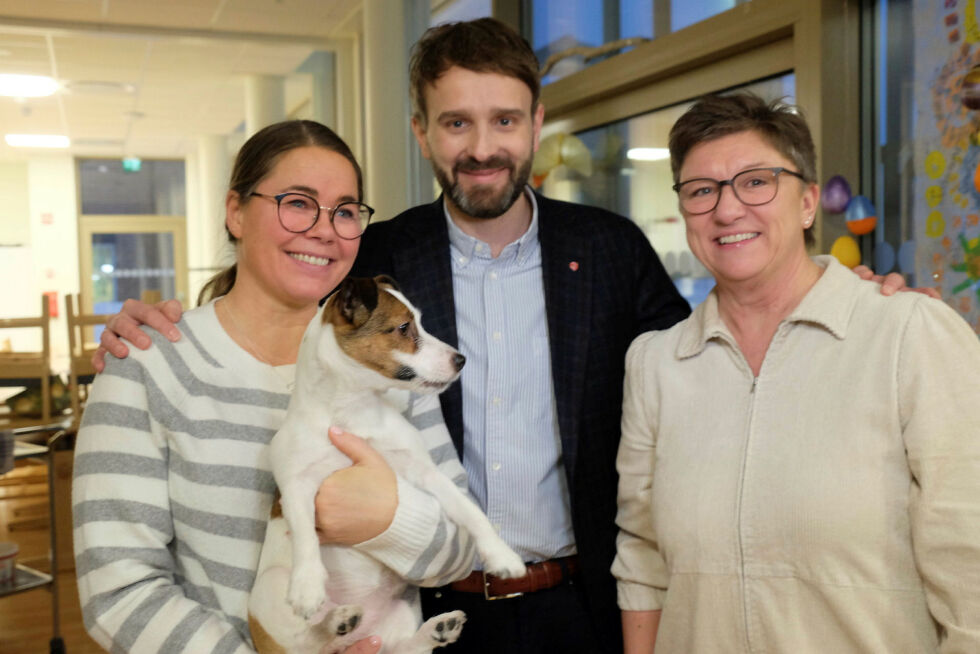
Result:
[37,140]
[100,87]
[27,86]
[647,154]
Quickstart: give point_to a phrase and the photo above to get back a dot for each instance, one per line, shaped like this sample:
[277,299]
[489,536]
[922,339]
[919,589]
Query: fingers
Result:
[892,283]
[355,447]
[863,272]
[153,316]
[98,359]
[928,290]
[172,309]
[365,646]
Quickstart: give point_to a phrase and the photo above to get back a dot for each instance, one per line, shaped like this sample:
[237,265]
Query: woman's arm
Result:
[939,386]
[640,631]
[639,567]
[422,544]
[125,546]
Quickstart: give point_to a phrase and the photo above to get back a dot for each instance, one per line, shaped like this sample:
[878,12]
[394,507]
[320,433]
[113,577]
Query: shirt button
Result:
[496,466]
[493,275]
[478,248]
[497,401]
[497,336]
[462,259]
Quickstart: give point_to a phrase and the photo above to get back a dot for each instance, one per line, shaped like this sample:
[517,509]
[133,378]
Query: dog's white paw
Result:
[307,589]
[343,619]
[444,628]
[503,562]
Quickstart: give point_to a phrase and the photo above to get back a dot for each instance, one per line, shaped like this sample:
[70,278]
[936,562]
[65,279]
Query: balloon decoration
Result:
[846,250]
[558,149]
[836,194]
[860,215]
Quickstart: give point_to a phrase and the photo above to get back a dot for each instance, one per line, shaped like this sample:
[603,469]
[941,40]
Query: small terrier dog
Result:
[365,340]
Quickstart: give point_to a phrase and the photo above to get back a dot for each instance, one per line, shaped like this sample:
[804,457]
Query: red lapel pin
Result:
[573,265]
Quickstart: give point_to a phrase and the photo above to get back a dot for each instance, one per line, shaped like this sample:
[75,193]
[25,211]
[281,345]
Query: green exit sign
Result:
[131,164]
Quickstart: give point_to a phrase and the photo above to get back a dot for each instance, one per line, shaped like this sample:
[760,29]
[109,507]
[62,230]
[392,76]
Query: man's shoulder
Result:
[596,221]
[414,218]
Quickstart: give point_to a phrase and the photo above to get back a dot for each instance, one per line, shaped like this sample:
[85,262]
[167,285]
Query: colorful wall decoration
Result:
[947,152]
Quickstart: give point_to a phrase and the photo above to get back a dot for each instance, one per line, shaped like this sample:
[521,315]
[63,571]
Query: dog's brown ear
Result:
[358,297]
[387,281]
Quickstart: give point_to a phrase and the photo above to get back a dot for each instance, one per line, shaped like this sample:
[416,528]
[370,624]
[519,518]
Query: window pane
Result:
[557,25]
[154,187]
[637,183]
[924,171]
[684,12]
[128,265]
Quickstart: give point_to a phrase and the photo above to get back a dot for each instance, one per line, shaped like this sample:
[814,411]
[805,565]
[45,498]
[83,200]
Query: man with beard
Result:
[543,298]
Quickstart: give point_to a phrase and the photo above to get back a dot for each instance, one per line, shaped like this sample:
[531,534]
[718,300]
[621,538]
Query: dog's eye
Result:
[403,328]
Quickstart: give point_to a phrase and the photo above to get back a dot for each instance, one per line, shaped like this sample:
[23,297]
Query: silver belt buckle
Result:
[486,590]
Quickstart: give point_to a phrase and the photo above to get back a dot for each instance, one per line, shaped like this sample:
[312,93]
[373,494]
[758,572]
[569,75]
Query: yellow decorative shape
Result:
[935,225]
[970,25]
[934,195]
[560,148]
[935,164]
[846,250]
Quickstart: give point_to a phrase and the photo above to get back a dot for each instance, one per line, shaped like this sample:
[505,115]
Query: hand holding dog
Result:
[356,503]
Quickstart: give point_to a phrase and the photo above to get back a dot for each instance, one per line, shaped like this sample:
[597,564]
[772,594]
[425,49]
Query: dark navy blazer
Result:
[603,286]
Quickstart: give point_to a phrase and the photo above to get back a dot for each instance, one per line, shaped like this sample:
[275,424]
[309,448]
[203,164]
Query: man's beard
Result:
[483,201]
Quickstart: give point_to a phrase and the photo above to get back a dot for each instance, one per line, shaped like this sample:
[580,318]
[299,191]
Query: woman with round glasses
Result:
[800,459]
[172,485]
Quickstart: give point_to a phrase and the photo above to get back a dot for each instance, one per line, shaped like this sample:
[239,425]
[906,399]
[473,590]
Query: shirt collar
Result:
[827,305]
[469,247]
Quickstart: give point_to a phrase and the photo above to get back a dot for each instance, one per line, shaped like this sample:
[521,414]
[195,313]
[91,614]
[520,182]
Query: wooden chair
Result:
[80,349]
[28,369]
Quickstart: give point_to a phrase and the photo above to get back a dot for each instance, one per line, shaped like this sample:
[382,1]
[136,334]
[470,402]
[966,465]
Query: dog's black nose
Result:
[458,361]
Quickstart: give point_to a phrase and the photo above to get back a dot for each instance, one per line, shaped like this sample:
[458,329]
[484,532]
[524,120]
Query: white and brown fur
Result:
[311,598]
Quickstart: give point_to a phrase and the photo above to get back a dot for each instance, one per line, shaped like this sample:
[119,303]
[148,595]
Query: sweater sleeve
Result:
[123,529]
[639,568]
[422,544]
[939,383]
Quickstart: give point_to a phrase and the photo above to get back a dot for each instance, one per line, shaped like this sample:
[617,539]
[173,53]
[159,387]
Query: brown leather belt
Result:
[541,575]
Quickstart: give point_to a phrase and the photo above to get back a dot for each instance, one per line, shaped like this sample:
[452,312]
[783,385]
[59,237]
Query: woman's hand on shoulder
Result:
[161,316]
[893,282]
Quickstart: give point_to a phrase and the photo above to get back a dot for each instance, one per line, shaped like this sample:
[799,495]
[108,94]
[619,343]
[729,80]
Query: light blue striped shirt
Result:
[512,450]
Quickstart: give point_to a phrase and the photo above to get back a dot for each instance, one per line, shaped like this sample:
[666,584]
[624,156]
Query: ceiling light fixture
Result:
[37,140]
[647,154]
[27,86]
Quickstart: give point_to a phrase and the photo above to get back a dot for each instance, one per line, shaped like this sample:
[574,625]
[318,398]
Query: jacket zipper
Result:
[741,545]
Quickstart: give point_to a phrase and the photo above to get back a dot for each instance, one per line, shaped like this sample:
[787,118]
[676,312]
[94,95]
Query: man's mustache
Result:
[471,165]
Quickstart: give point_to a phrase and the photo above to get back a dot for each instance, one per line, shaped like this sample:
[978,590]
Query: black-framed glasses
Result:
[752,187]
[298,213]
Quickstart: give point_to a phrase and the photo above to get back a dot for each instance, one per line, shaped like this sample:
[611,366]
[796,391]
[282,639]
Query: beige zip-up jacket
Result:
[832,504]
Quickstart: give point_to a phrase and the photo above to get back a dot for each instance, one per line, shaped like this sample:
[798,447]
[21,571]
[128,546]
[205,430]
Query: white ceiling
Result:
[146,77]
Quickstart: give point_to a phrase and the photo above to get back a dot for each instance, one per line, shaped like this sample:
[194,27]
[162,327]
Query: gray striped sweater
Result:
[172,490]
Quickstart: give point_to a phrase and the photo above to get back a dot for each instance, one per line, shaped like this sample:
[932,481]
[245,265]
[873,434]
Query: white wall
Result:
[53,222]
[14,225]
